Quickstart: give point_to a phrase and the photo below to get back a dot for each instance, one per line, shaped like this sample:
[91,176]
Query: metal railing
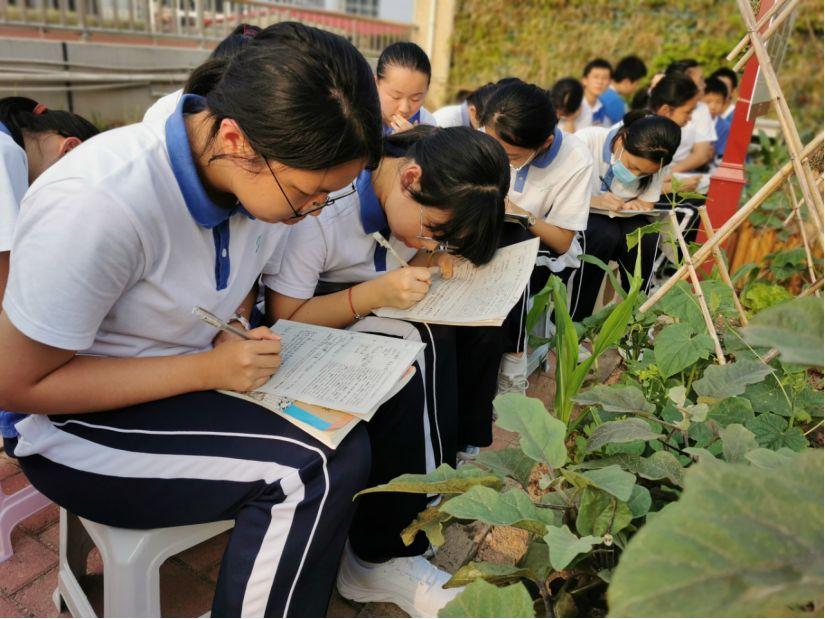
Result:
[199,21]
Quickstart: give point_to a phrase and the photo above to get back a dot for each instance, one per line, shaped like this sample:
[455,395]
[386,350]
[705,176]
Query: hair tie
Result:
[39,109]
[250,31]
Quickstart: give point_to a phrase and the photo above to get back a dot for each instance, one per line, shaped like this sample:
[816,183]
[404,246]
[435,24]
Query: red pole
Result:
[727,181]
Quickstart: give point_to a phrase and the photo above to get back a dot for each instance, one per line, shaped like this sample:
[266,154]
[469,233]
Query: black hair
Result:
[728,73]
[597,63]
[404,54]
[21,114]
[674,89]
[521,114]
[640,98]
[630,68]
[650,137]
[465,172]
[681,66]
[714,84]
[201,82]
[302,96]
[480,97]
[567,95]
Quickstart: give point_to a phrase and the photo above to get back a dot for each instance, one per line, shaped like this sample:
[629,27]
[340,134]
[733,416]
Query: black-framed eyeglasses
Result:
[439,245]
[317,206]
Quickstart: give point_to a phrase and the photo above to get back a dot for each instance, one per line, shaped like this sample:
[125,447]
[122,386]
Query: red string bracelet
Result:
[352,306]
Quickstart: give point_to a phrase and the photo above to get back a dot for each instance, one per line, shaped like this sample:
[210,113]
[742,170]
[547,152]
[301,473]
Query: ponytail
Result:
[21,114]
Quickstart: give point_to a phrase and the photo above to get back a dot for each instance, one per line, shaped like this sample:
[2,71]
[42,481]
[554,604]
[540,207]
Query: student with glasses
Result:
[437,194]
[114,247]
[630,163]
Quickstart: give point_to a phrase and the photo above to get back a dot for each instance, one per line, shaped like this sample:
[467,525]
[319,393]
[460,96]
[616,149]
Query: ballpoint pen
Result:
[212,320]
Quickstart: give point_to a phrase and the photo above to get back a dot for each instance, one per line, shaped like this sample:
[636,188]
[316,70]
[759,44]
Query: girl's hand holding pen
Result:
[403,288]
[245,365]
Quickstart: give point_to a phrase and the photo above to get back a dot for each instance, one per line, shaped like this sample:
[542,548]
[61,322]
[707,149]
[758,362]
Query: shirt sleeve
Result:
[654,189]
[304,259]
[705,131]
[75,251]
[14,180]
[571,205]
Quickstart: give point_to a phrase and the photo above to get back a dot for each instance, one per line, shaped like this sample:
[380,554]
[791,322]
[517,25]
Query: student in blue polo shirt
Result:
[434,187]
[32,138]
[716,98]
[114,247]
[595,80]
[403,76]
[629,166]
[627,75]
[731,80]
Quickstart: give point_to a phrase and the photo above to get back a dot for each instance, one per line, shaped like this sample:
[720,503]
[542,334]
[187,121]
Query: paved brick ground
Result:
[28,579]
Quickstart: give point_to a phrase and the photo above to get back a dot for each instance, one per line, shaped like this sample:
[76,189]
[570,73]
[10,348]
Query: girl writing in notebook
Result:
[32,138]
[434,189]
[629,165]
[99,343]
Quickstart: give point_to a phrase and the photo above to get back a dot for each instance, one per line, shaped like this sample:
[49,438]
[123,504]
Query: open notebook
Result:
[475,296]
[654,212]
[331,379]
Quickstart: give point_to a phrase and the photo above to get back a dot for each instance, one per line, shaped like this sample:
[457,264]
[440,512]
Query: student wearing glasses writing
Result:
[434,190]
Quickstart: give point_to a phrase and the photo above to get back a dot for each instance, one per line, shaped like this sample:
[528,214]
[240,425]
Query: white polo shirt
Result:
[591,115]
[163,107]
[602,180]
[555,187]
[119,241]
[338,247]
[14,180]
[700,128]
[453,116]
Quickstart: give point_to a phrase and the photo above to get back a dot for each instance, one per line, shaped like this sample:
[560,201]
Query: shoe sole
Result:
[365,596]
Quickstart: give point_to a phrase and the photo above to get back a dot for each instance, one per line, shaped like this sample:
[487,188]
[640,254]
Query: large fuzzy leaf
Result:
[740,542]
[601,513]
[496,573]
[794,328]
[725,381]
[481,599]
[623,431]
[512,507]
[616,399]
[773,432]
[443,480]
[677,347]
[509,462]
[563,546]
[541,436]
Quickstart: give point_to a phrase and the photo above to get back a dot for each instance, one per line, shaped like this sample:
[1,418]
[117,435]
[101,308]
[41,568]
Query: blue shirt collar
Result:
[373,217]
[5,129]
[547,157]
[413,119]
[607,147]
[201,207]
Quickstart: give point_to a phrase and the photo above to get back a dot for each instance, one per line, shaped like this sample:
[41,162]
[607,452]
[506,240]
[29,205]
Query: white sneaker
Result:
[468,453]
[512,375]
[413,583]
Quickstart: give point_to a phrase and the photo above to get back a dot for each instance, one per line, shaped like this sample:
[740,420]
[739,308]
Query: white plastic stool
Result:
[14,508]
[131,563]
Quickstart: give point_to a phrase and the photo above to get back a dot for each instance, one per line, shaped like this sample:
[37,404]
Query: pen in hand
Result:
[212,320]
[379,238]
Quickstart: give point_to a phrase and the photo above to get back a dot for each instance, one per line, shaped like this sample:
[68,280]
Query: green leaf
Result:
[736,442]
[725,381]
[769,459]
[732,410]
[640,501]
[541,436]
[700,453]
[536,561]
[762,295]
[613,480]
[481,599]
[738,543]
[795,328]
[654,227]
[512,507]
[443,480]
[773,432]
[601,513]
[623,431]
[430,521]
[662,465]
[564,546]
[768,397]
[610,273]
[676,348]
[510,462]
[616,399]
[496,573]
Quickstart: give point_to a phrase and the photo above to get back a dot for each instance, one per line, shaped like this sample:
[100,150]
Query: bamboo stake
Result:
[789,130]
[762,21]
[721,235]
[697,288]
[720,262]
[767,34]
[797,213]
